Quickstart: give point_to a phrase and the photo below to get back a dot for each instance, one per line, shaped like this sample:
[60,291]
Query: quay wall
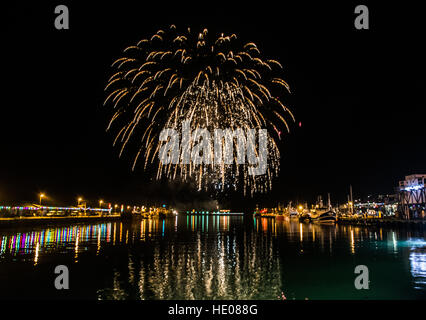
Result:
[381,222]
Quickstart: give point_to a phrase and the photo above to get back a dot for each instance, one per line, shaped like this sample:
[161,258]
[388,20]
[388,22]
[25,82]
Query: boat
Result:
[324,214]
[291,211]
[166,213]
[305,217]
[227,212]
[328,216]
[293,214]
[265,213]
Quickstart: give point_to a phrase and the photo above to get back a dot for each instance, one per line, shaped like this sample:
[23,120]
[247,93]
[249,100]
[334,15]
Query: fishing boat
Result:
[264,213]
[293,213]
[305,217]
[328,216]
[324,215]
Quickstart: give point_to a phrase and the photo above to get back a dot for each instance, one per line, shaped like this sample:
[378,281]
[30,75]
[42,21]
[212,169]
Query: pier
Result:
[33,214]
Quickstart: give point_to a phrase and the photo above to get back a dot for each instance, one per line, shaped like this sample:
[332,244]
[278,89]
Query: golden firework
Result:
[214,82]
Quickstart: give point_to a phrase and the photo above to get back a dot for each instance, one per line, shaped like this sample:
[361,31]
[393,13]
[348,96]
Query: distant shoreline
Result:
[66,220]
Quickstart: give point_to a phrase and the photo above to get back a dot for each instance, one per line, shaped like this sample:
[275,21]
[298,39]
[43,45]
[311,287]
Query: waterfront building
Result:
[377,206]
[412,196]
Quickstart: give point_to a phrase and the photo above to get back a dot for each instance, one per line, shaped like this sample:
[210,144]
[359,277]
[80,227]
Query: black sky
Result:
[359,95]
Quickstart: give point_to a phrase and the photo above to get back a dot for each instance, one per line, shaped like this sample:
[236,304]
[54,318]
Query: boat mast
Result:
[329,202]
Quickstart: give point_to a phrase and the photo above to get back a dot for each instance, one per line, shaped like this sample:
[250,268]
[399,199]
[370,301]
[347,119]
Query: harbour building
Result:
[412,196]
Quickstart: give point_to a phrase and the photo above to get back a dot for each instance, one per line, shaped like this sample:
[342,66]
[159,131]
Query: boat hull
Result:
[326,217]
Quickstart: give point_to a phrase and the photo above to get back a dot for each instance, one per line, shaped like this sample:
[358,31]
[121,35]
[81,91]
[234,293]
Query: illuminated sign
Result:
[418,187]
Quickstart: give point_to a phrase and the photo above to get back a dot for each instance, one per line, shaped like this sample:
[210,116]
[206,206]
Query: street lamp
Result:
[78,201]
[100,203]
[41,197]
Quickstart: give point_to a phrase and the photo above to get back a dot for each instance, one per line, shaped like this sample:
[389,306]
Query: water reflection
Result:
[212,267]
[418,267]
[418,262]
[208,263]
[221,257]
[76,238]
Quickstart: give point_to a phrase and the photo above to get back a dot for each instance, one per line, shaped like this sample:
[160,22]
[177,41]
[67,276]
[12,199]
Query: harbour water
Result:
[212,257]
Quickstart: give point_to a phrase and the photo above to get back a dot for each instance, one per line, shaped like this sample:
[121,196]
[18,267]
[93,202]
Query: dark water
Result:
[212,257]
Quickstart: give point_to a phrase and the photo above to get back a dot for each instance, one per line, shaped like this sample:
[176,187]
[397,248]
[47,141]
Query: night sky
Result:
[359,95]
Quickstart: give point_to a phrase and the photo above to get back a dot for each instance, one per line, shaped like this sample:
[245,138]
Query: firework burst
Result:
[212,82]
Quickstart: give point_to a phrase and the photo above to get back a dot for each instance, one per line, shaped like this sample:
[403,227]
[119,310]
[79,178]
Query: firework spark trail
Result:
[215,83]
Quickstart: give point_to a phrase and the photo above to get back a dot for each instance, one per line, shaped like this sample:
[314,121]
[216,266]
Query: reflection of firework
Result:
[214,82]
